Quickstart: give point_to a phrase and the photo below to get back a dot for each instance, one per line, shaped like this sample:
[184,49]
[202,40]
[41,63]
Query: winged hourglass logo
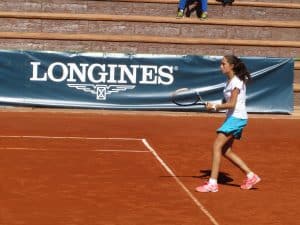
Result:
[101,91]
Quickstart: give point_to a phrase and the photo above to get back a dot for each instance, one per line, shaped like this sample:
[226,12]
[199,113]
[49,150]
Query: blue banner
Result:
[135,81]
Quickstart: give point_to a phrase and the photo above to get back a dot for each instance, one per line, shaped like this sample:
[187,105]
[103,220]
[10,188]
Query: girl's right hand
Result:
[210,106]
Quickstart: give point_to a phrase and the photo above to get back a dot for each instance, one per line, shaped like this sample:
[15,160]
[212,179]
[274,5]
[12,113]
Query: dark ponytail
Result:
[239,67]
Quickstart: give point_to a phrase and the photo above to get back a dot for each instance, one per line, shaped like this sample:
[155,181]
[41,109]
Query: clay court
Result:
[93,167]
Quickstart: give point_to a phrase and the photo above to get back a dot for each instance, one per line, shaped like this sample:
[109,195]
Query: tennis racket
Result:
[187,97]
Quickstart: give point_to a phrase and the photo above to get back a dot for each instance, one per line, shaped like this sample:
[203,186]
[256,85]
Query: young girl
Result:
[182,5]
[236,119]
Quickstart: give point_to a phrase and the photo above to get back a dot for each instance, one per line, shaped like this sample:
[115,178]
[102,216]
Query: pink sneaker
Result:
[207,187]
[249,183]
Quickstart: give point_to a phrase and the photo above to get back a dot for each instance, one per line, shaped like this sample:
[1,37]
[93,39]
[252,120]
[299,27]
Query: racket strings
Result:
[186,98]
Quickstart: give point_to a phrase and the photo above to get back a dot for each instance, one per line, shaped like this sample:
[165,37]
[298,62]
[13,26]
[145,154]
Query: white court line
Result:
[62,137]
[79,138]
[167,168]
[108,150]
[92,150]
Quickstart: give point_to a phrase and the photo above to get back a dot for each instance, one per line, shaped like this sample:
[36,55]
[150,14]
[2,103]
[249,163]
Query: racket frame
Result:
[199,100]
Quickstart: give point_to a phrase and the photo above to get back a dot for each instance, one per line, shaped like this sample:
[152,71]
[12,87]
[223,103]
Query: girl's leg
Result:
[252,178]
[235,159]
[221,141]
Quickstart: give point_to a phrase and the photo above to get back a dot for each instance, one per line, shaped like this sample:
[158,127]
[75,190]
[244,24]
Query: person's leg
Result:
[182,4]
[181,7]
[218,146]
[251,177]
[235,159]
[203,5]
[204,13]
[212,185]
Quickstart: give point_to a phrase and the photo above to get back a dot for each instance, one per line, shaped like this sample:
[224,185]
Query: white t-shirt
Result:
[240,108]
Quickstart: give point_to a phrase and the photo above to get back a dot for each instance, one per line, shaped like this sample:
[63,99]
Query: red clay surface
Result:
[62,168]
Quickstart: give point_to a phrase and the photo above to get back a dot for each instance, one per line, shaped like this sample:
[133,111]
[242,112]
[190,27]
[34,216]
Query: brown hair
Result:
[239,67]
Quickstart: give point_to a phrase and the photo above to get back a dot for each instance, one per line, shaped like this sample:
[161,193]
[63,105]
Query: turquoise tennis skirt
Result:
[234,126]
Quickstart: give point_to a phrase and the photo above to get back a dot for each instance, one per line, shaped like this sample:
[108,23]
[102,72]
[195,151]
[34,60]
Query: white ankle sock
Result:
[212,181]
[250,175]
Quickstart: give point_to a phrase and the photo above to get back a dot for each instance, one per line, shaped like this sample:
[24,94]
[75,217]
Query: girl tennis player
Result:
[236,119]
